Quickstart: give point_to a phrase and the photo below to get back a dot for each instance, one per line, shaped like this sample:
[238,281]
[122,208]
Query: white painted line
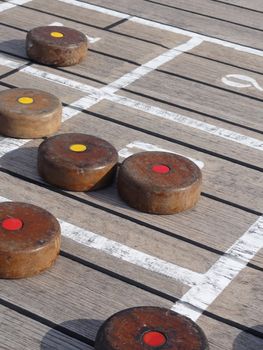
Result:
[10,63]
[187,121]
[150,66]
[11,3]
[125,253]
[133,256]
[98,95]
[96,8]
[166,27]
[126,152]
[91,40]
[222,273]
[247,81]
[10,144]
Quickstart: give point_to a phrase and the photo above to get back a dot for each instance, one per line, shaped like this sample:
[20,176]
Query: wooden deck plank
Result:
[224,337]
[216,10]
[246,309]
[21,162]
[23,333]
[188,21]
[200,97]
[252,4]
[210,72]
[99,20]
[71,291]
[112,227]
[166,128]
[114,44]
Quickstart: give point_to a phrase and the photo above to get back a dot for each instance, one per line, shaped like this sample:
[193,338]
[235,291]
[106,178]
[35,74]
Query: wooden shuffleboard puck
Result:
[77,162]
[56,45]
[150,328]
[29,113]
[159,182]
[29,240]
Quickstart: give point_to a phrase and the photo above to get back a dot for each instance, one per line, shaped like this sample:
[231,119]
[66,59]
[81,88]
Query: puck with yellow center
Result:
[56,45]
[77,162]
[159,182]
[29,240]
[29,113]
[150,328]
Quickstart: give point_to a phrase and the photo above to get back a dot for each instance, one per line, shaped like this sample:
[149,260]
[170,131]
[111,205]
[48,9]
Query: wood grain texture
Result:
[220,218]
[252,4]
[224,337]
[71,291]
[21,332]
[246,309]
[188,21]
[201,98]
[217,10]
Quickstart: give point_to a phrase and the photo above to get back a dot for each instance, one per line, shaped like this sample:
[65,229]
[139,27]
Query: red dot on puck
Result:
[12,224]
[154,339]
[160,168]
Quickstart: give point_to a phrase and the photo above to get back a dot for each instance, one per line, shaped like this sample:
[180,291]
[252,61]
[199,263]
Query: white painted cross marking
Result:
[91,40]
[222,273]
[126,152]
[230,80]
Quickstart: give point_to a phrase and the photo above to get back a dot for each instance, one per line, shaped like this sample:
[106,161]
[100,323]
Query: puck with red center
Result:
[150,328]
[29,240]
[159,182]
[77,162]
[56,45]
[29,113]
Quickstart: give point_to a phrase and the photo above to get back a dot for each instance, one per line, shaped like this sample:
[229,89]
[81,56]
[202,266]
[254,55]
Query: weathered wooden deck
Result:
[184,76]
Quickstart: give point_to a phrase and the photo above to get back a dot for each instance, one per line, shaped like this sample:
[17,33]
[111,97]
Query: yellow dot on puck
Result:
[26,100]
[78,147]
[57,34]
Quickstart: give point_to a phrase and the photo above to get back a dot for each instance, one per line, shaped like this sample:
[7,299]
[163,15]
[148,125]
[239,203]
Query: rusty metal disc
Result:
[29,240]
[77,162]
[159,182]
[29,113]
[150,328]
[56,45]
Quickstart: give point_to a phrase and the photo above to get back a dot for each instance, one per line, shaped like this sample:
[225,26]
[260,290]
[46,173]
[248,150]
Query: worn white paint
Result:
[10,144]
[187,121]
[133,256]
[222,273]
[98,95]
[8,4]
[142,146]
[125,253]
[150,66]
[243,81]
[166,27]
[91,40]
[99,9]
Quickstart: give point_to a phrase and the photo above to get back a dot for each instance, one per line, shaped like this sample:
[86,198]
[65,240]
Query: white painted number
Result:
[241,81]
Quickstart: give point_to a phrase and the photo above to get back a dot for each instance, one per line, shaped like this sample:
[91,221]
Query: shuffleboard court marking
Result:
[241,81]
[91,40]
[222,273]
[166,27]
[96,95]
[127,151]
[12,3]
[150,66]
[187,121]
[125,253]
